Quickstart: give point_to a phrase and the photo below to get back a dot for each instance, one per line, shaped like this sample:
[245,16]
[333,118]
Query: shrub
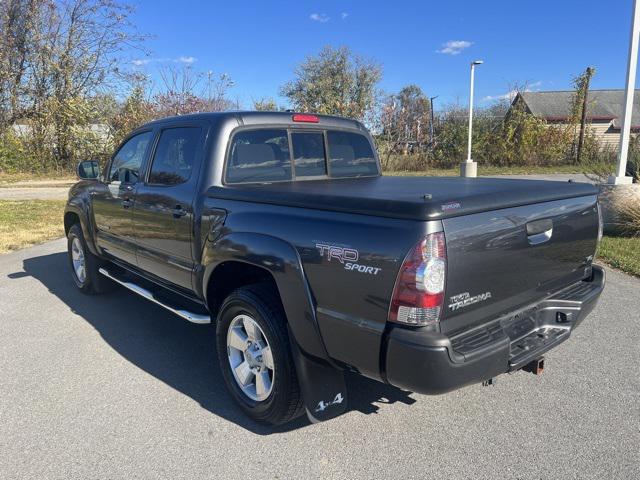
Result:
[13,156]
[628,209]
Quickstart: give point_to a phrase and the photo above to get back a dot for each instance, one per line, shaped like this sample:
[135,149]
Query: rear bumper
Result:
[428,362]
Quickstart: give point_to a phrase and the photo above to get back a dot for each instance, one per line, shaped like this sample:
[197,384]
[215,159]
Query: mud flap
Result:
[324,389]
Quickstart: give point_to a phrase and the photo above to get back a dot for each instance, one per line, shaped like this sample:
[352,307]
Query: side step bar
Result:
[143,292]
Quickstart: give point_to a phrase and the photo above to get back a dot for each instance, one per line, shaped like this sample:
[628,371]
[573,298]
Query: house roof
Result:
[602,105]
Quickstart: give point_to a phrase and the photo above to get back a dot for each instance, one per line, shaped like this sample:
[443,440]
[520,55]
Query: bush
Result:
[628,209]
[600,162]
[13,156]
[502,137]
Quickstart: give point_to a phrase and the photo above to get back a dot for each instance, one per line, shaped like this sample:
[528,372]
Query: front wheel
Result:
[84,265]
[255,355]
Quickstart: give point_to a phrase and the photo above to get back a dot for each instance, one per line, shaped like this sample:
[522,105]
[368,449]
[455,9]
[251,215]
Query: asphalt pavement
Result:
[115,387]
[36,190]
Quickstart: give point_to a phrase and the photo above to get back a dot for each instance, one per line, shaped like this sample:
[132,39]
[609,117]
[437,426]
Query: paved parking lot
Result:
[115,387]
[36,190]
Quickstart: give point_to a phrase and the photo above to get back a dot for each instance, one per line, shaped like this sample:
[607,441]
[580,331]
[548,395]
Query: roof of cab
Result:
[261,118]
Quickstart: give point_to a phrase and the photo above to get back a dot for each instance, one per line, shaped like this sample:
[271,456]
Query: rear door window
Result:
[259,156]
[308,154]
[175,156]
[350,155]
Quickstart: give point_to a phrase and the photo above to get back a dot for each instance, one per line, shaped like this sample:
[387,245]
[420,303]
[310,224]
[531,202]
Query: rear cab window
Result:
[259,156]
[265,155]
[309,154]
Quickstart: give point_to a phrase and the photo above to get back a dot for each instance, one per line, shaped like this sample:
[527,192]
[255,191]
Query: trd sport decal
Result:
[346,256]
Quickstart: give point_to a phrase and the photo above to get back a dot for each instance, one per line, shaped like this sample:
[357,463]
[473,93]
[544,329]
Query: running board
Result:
[143,292]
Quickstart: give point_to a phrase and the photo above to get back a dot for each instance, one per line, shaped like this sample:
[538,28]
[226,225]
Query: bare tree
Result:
[16,45]
[183,91]
[54,56]
[406,119]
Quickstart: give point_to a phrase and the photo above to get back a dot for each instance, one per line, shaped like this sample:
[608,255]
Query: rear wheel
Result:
[84,265]
[255,356]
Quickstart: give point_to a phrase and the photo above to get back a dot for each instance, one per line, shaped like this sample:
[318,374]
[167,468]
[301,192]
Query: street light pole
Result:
[469,168]
[620,177]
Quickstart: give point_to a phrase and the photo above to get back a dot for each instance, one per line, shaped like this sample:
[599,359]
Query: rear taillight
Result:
[418,295]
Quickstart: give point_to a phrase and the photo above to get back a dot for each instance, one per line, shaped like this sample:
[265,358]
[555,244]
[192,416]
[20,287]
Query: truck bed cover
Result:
[416,198]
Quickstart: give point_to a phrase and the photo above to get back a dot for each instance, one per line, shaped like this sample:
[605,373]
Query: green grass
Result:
[622,253]
[6,179]
[28,222]
[482,170]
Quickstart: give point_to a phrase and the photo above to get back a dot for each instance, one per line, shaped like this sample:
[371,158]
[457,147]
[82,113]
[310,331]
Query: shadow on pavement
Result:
[178,353]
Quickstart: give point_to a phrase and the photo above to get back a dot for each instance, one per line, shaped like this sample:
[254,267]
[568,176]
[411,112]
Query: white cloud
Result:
[344,15]
[319,17]
[187,60]
[454,47]
[511,94]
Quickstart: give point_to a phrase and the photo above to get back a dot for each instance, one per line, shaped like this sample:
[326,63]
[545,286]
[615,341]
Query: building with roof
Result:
[604,111]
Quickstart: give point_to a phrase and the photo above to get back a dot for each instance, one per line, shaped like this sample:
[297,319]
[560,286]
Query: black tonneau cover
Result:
[417,198]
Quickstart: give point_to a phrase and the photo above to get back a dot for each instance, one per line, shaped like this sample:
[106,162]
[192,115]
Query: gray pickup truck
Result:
[281,230]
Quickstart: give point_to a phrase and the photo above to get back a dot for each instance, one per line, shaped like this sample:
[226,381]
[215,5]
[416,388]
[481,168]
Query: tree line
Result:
[67,95]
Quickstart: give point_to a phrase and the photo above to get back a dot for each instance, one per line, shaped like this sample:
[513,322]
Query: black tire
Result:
[93,282]
[262,304]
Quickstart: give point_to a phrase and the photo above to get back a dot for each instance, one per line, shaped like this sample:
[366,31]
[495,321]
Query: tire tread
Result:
[267,302]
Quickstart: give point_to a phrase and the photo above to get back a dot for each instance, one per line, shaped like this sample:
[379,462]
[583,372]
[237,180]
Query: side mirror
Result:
[88,170]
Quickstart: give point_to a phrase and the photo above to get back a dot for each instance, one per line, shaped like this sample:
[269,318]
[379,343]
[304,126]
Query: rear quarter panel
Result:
[350,262]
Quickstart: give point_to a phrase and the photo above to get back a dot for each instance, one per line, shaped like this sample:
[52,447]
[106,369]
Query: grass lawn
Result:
[622,253]
[442,172]
[28,222]
[6,179]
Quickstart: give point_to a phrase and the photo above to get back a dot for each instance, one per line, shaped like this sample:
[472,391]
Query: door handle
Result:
[127,202]
[539,231]
[178,212]
[541,237]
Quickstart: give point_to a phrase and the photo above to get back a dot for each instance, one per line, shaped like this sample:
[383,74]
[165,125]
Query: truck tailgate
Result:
[501,260]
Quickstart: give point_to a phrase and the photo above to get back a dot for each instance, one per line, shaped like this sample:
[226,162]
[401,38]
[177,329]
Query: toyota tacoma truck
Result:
[280,229]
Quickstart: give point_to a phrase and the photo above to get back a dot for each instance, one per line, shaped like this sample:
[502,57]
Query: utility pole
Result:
[431,99]
[620,177]
[469,168]
[209,73]
[583,120]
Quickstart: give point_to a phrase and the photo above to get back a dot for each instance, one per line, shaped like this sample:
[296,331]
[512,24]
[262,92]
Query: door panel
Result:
[113,203]
[163,212]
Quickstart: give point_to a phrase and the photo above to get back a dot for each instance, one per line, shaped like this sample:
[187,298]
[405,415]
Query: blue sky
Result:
[259,43]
